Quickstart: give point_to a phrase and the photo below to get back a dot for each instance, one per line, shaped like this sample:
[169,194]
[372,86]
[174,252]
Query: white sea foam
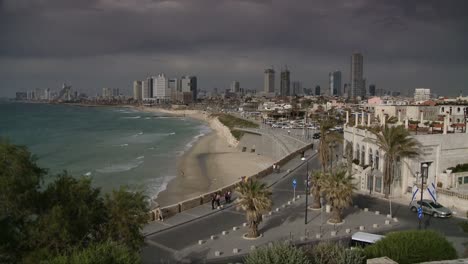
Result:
[147,117]
[203,131]
[141,157]
[171,134]
[87,174]
[158,185]
[131,117]
[121,167]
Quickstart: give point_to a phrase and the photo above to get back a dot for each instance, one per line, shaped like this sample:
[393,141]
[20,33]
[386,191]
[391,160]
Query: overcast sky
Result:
[109,43]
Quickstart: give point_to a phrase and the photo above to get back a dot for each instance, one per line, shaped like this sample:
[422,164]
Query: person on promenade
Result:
[218,199]
[274,167]
[227,197]
[213,200]
[159,216]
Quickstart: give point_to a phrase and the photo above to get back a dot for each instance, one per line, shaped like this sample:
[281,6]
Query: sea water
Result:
[114,146]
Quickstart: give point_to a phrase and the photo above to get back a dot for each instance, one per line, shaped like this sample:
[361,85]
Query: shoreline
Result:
[212,162]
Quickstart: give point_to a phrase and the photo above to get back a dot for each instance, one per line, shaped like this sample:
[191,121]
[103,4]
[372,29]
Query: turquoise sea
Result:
[114,146]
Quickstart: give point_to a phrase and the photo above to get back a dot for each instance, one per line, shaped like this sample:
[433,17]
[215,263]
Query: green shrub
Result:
[459,168]
[332,253]
[277,254]
[412,247]
[107,252]
[231,122]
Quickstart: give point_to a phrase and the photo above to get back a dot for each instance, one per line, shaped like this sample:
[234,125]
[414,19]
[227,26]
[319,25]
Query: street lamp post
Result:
[424,174]
[306,188]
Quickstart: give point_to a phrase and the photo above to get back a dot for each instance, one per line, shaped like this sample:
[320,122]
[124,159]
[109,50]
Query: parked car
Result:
[431,208]
[316,136]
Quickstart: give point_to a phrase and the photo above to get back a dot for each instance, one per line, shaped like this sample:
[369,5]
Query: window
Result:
[371,157]
[458,110]
[363,153]
[376,166]
[378,184]
[443,110]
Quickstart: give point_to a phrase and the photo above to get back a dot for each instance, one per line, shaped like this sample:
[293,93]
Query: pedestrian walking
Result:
[227,197]
[218,199]
[213,200]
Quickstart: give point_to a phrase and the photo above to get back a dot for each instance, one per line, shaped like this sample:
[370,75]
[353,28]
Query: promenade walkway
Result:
[203,235]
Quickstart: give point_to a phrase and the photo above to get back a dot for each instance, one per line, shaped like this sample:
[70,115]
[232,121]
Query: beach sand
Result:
[211,163]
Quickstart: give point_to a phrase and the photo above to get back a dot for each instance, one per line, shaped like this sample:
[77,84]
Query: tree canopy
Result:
[67,216]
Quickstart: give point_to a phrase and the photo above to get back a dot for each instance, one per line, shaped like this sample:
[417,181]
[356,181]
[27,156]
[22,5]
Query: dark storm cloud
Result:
[249,33]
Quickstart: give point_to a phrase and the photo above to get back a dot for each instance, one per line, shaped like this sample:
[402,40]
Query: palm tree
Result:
[315,178]
[396,143]
[254,199]
[338,188]
[327,138]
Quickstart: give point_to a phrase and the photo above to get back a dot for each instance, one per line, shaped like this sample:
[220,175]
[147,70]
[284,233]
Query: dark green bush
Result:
[412,247]
[277,254]
[459,168]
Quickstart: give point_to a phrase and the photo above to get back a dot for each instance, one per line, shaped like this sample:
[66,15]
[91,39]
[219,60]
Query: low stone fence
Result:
[452,193]
[174,209]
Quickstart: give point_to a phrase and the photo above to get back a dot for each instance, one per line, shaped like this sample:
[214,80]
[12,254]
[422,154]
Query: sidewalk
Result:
[206,210]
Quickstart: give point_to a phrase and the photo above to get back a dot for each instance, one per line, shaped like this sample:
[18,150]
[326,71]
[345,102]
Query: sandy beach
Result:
[212,162]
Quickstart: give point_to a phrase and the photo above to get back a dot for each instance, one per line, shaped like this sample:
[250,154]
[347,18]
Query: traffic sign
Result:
[420,213]
[294,182]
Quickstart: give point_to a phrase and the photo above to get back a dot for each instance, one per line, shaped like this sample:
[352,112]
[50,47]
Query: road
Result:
[166,246]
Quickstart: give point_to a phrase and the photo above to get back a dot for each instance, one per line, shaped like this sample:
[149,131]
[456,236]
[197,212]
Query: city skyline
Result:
[71,47]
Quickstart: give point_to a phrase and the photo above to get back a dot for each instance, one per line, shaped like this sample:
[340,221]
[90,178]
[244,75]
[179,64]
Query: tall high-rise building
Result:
[269,81]
[189,84]
[174,85]
[285,83]
[162,90]
[296,88]
[317,90]
[357,79]
[372,90]
[150,86]
[422,94]
[235,86]
[115,92]
[335,83]
[137,90]
[145,94]
[106,93]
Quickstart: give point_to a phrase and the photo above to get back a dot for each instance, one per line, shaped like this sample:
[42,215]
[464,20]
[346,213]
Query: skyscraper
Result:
[269,81]
[162,91]
[297,88]
[189,84]
[150,86]
[317,90]
[372,90]
[235,87]
[137,91]
[357,79]
[335,83]
[285,83]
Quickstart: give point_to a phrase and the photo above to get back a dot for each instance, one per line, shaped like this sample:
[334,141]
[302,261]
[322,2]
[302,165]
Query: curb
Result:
[226,207]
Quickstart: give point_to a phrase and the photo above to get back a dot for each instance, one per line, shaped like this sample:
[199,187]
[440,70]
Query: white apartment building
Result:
[137,90]
[440,151]
[422,94]
[162,91]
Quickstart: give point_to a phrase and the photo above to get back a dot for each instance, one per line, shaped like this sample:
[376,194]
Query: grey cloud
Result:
[301,32]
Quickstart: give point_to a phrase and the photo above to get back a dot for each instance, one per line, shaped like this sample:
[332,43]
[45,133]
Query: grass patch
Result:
[231,122]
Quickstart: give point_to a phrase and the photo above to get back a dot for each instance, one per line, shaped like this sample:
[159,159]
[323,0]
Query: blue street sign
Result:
[294,183]
[420,213]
